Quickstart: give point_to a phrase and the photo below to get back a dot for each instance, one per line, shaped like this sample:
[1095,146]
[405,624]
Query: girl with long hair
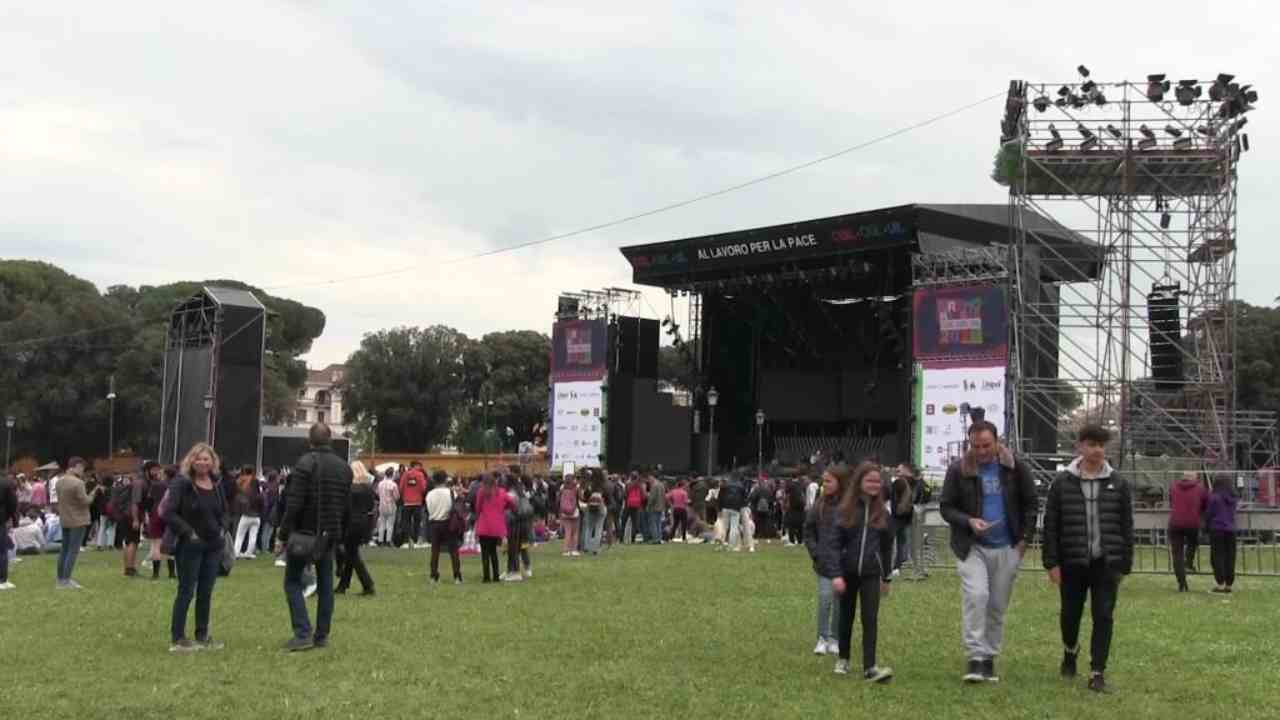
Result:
[860,550]
[1222,533]
[570,516]
[357,533]
[196,514]
[820,527]
[492,504]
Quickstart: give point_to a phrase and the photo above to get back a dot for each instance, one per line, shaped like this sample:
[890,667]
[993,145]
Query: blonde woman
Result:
[196,514]
[363,506]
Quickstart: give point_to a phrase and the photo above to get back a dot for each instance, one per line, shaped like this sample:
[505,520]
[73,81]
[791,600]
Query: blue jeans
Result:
[72,539]
[826,608]
[731,519]
[198,566]
[653,533]
[293,587]
[902,540]
[264,537]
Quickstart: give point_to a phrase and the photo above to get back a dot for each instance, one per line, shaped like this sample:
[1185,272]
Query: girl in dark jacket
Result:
[820,526]
[1222,534]
[363,506]
[858,557]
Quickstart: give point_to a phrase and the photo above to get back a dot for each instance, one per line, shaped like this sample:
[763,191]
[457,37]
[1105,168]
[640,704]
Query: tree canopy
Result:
[61,342]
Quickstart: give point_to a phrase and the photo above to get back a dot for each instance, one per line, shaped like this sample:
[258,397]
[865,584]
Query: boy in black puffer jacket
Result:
[1088,547]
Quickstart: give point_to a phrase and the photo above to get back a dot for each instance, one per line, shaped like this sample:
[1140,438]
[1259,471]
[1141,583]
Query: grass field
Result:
[641,632]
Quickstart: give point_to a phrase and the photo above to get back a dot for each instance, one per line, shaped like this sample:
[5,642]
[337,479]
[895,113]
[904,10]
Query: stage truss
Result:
[1148,173]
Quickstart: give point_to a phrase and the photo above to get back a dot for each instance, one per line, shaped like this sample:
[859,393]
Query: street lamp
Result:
[373,455]
[759,443]
[111,417]
[713,398]
[208,418]
[9,422]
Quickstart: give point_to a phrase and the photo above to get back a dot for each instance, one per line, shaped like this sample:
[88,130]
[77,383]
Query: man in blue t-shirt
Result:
[989,500]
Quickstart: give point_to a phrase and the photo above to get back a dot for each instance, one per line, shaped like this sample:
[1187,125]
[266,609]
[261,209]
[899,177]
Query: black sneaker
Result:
[319,643]
[1068,667]
[1097,683]
[974,672]
[297,644]
[989,671]
[878,674]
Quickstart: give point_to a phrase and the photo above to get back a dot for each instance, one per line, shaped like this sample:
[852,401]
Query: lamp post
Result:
[759,443]
[713,398]
[111,417]
[208,418]
[9,422]
[373,456]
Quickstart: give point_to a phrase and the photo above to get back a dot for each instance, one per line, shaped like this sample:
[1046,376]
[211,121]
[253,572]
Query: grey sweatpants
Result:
[986,582]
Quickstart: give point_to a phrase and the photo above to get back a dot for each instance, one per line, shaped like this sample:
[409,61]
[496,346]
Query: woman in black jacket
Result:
[859,551]
[196,513]
[364,504]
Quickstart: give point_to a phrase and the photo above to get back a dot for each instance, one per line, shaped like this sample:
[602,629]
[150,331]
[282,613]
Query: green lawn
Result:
[643,632]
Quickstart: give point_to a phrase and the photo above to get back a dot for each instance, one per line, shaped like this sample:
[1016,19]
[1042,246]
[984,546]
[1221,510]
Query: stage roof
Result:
[826,241]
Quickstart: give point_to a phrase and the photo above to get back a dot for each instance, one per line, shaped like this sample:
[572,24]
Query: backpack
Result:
[120,502]
[524,507]
[796,497]
[762,504]
[457,526]
[568,502]
[539,502]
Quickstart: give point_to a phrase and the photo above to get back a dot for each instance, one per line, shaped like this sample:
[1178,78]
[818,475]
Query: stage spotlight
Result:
[1157,86]
[1244,139]
[1077,101]
[1164,220]
[1218,90]
[1146,143]
[1183,143]
[1041,103]
[1090,140]
[666,322]
[1088,86]
[1064,91]
[1084,71]
[1235,126]
[1205,130]
[1188,92]
[1173,131]
[1114,131]
[1099,99]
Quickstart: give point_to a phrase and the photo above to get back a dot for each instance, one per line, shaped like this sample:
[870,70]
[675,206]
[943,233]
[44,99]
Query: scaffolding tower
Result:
[1148,172]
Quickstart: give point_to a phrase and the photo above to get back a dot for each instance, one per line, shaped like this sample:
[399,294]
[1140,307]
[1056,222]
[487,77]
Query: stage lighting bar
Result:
[1157,86]
[1188,92]
[1090,140]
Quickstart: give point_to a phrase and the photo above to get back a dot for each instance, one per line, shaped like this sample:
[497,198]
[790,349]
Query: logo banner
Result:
[577,435]
[943,393]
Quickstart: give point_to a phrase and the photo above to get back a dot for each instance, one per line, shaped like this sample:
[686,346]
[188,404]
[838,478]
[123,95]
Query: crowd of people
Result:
[860,524]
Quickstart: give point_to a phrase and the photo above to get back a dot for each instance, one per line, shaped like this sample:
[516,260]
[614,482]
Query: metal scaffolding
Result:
[1147,172]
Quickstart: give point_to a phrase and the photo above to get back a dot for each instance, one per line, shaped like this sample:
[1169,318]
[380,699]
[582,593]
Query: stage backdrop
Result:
[576,432]
[941,426]
[578,350]
[961,323]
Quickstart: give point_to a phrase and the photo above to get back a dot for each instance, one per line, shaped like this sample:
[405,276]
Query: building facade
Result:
[320,400]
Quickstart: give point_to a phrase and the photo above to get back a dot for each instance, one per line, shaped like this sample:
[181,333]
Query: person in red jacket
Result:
[1188,499]
[413,491]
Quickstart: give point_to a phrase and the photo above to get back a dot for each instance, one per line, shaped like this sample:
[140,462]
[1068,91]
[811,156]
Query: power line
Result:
[589,229]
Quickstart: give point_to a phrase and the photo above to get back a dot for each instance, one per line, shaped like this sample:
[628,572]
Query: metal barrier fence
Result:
[1257,546]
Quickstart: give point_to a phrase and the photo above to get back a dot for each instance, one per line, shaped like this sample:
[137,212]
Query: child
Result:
[1088,547]
[857,557]
[819,526]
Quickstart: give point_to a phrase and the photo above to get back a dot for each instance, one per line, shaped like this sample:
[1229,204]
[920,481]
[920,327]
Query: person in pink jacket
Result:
[492,503]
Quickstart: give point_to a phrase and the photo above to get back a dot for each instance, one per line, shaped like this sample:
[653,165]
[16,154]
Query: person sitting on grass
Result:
[1088,547]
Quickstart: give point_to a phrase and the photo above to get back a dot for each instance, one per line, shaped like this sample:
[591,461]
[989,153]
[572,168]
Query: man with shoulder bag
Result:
[317,509]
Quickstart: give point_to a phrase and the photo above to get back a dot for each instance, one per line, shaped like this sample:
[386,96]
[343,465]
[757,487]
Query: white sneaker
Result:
[842,667]
[820,648]
[894,575]
[833,647]
[528,574]
[8,586]
[752,549]
[311,590]
[281,563]
[878,674]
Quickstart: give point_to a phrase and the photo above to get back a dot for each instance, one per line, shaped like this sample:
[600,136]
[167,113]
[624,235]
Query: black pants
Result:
[1101,585]
[1222,552]
[630,516]
[4,552]
[350,560]
[489,557]
[413,515]
[442,538]
[517,533]
[1182,545]
[869,590]
[795,527]
[679,523]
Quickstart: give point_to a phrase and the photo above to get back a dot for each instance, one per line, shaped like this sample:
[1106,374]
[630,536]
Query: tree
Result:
[675,366]
[411,379]
[511,369]
[56,389]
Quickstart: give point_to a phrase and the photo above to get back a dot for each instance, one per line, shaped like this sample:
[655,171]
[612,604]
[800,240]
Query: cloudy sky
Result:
[296,145]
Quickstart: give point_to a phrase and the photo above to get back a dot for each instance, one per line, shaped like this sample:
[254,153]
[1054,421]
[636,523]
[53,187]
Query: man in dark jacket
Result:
[989,500]
[1088,548]
[8,518]
[732,499]
[318,502]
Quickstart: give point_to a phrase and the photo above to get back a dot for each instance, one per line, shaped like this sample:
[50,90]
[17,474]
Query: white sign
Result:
[576,433]
[943,424]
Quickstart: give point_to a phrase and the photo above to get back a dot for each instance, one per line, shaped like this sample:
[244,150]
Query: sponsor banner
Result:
[943,393]
[577,435]
[578,350]
[956,323]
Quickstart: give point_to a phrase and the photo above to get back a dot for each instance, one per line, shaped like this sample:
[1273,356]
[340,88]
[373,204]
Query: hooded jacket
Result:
[1222,511]
[1188,500]
[962,499]
[859,551]
[1088,518]
[819,527]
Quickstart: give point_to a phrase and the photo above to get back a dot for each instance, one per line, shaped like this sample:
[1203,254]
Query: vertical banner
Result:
[945,392]
[578,350]
[577,434]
